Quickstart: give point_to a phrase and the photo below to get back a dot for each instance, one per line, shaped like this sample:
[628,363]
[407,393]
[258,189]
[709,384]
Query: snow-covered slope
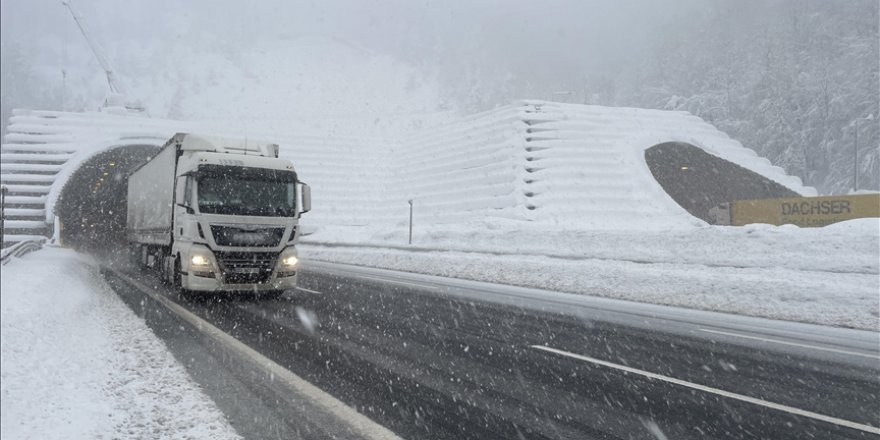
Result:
[285,85]
[556,166]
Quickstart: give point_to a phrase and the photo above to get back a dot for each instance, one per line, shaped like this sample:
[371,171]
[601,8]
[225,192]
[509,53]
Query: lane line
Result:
[795,344]
[728,394]
[315,292]
[358,422]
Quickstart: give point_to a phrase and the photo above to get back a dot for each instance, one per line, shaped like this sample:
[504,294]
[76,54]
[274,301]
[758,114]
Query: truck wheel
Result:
[165,269]
[177,278]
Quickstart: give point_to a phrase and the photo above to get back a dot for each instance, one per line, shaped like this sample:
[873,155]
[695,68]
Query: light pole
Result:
[856,151]
[410,219]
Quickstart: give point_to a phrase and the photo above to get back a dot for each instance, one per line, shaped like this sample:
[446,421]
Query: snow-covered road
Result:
[79,364]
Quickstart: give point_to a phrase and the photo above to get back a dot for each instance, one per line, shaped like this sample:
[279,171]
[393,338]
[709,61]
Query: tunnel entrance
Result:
[699,181]
[92,205]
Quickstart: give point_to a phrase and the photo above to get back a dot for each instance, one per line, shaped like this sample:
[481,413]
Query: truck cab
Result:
[235,211]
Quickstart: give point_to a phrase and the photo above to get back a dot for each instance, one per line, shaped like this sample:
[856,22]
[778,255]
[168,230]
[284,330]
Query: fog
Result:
[564,32]
[552,44]
[787,78]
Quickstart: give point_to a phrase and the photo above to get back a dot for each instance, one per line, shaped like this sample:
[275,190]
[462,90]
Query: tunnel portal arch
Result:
[92,205]
[699,181]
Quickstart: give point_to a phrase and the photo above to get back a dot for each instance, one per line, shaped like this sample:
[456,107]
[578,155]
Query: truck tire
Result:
[165,270]
[177,278]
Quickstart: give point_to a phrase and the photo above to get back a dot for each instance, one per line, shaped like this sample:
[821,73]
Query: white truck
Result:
[216,214]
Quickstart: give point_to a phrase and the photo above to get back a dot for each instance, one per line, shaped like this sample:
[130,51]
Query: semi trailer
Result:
[216,214]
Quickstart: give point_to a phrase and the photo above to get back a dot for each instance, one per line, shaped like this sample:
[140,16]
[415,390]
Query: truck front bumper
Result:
[214,284]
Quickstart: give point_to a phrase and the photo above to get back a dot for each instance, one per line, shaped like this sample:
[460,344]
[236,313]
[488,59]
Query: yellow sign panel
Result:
[805,211]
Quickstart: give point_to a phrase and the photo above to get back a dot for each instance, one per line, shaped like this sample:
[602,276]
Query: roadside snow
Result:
[78,364]
[828,276]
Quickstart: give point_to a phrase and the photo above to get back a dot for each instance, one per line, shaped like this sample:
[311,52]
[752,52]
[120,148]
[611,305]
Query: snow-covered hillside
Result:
[295,83]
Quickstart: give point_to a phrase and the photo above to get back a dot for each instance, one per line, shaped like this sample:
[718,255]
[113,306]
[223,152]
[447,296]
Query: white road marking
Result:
[795,344]
[752,400]
[315,292]
[358,422]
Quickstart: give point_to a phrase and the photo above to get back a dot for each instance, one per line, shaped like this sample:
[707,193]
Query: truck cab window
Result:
[253,193]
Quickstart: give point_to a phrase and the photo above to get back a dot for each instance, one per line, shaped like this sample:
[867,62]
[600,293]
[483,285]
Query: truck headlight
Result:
[287,263]
[200,264]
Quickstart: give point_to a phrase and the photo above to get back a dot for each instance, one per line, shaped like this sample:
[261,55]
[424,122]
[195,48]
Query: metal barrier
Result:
[21,248]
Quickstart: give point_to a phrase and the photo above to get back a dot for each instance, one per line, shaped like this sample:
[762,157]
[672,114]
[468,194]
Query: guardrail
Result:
[19,249]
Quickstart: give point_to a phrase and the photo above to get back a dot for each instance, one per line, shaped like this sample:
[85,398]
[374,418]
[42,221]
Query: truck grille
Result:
[239,236]
[246,267]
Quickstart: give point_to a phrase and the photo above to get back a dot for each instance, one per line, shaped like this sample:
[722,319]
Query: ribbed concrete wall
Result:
[586,165]
[42,148]
[563,165]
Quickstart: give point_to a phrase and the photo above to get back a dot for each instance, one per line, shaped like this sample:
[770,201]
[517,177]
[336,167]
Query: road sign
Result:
[805,211]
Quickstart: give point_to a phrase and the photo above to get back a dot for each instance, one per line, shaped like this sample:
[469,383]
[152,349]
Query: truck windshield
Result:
[237,191]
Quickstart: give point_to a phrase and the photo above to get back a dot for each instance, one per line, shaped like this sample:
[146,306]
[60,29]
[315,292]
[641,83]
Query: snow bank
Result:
[827,276]
[851,246]
[78,364]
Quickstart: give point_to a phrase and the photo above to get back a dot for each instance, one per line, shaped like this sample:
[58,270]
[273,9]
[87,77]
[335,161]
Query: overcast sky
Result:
[557,34]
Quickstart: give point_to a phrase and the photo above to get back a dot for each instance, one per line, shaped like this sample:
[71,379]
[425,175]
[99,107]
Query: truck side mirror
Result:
[305,198]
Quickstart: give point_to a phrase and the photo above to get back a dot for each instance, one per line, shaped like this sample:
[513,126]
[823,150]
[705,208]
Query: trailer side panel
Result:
[151,199]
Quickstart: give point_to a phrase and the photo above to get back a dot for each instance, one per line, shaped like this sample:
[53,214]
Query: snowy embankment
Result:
[827,276]
[78,364]
[560,197]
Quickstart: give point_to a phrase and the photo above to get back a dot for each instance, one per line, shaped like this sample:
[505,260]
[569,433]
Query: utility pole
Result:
[96,49]
[870,117]
[116,89]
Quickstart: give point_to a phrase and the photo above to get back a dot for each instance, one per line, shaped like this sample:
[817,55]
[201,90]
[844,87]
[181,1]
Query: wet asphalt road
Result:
[428,360]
